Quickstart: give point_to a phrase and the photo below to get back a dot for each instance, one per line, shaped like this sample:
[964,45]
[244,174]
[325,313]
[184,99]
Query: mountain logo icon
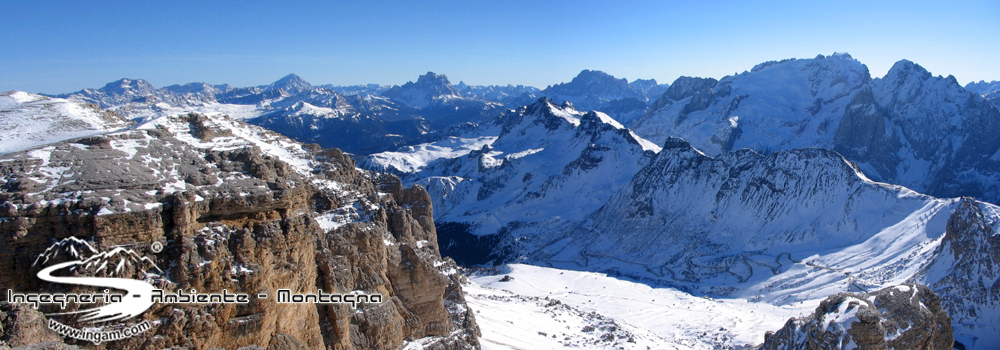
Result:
[119,268]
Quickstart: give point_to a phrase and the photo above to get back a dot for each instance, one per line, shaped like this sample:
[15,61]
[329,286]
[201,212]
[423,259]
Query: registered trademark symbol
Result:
[156,247]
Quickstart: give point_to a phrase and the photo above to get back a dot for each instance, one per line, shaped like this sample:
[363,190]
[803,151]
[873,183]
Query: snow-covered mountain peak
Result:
[599,91]
[545,154]
[546,112]
[592,82]
[778,105]
[436,85]
[126,86]
[67,249]
[908,82]
[115,93]
[829,77]
[429,87]
[908,128]
[198,88]
[684,87]
[843,55]
[836,74]
[903,69]
[983,87]
[291,84]
[119,262]
[966,271]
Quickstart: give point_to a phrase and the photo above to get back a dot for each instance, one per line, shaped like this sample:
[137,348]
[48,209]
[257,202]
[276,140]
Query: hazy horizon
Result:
[61,47]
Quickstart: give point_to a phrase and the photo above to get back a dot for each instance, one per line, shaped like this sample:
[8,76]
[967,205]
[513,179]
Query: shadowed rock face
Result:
[240,209]
[907,316]
[966,273]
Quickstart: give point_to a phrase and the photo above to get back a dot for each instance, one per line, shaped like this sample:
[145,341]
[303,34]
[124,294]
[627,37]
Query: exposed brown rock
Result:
[22,325]
[243,220]
[907,316]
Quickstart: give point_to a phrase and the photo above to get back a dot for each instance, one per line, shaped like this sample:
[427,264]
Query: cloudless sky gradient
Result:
[64,46]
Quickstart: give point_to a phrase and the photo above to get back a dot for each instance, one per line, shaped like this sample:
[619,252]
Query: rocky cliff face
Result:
[906,316]
[245,210]
[966,272]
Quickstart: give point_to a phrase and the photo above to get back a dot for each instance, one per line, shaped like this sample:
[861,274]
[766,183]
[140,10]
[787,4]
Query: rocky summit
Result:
[236,208]
[906,316]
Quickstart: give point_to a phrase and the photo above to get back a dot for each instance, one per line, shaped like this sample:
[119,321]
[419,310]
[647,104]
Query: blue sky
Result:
[63,46]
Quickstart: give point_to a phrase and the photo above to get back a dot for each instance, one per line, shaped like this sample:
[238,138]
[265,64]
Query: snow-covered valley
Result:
[564,302]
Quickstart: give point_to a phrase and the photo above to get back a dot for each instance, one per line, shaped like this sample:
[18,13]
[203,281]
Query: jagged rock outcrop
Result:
[966,272]
[907,316]
[245,210]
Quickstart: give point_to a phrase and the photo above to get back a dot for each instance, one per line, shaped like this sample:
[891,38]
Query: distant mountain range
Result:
[364,119]
[989,90]
[596,90]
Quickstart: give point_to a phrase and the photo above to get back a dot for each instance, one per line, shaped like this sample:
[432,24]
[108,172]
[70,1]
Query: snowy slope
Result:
[30,120]
[413,159]
[514,321]
[656,316]
[550,165]
[784,228]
